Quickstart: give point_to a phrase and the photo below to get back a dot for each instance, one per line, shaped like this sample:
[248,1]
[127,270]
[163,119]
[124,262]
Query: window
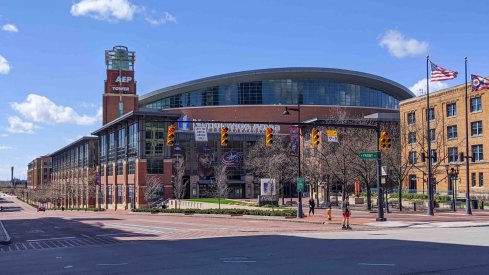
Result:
[109,194]
[431,113]
[119,193]
[452,154]
[477,152]
[481,179]
[412,137]
[102,170]
[155,166]
[476,128]
[131,194]
[132,167]
[476,104]
[473,178]
[120,168]
[412,184]
[110,169]
[452,132]
[432,135]
[434,155]
[412,157]
[451,110]
[411,117]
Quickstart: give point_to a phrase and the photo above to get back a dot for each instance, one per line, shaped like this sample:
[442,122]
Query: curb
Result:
[7,238]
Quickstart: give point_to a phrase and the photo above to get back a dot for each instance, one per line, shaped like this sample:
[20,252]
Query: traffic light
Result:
[224,136]
[170,136]
[269,137]
[315,137]
[384,141]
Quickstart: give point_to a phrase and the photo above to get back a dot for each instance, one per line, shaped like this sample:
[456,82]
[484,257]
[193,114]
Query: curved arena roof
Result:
[390,87]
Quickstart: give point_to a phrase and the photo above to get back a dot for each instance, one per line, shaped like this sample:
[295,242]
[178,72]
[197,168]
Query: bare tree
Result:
[220,182]
[273,162]
[154,189]
[179,184]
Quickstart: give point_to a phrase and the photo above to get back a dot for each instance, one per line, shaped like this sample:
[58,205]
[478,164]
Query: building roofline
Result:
[73,143]
[394,89]
[140,112]
[437,93]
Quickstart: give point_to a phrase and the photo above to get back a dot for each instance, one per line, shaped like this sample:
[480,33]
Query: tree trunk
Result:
[400,196]
[283,193]
[369,198]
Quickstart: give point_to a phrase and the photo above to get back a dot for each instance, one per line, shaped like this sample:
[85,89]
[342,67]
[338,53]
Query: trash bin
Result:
[475,204]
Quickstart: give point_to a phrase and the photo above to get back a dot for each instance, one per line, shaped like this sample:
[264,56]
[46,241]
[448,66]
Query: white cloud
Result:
[4,65]
[167,18]
[40,109]
[3,135]
[419,88]
[398,46]
[20,127]
[10,28]
[108,10]
[3,147]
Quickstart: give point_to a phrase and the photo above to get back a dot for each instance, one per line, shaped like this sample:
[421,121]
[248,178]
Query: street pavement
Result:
[62,242]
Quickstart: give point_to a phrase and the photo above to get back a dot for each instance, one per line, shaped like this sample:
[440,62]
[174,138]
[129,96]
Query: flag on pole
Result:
[479,83]
[439,73]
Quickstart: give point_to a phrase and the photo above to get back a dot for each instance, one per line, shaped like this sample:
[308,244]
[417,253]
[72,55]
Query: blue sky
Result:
[52,67]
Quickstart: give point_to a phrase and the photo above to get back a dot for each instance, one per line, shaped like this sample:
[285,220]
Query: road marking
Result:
[115,234]
[63,238]
[68,266]
[111,264]
[376,264]
[239,261]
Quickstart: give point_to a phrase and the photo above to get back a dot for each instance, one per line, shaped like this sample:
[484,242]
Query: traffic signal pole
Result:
[380,194]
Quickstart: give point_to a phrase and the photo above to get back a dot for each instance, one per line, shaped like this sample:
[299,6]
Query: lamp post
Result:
[300,214]
[452,173]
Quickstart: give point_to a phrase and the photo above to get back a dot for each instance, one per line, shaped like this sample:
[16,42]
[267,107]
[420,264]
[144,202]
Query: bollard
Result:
[414,206]
[329,213]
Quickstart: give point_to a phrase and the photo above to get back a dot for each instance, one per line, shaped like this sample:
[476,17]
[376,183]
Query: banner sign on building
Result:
[237,128]
[120,82]
[231,158]
[268,187]
[294,140]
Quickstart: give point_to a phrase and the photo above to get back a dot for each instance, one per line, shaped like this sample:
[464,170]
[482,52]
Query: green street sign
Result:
[300,184]
[368,155]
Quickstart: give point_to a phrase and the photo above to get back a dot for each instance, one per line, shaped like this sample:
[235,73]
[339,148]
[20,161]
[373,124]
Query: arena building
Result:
[132,142]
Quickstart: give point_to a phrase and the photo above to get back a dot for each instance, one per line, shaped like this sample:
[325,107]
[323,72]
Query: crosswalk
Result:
[59,243]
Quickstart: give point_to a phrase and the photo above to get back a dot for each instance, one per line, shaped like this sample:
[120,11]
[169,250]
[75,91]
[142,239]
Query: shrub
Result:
[256,212]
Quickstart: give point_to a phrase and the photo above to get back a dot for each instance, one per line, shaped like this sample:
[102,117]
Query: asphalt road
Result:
[117,243]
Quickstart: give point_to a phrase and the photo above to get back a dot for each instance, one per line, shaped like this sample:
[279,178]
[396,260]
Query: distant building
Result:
[39,172]
[447,135]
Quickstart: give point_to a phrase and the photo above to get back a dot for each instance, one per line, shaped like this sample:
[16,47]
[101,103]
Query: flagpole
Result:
[428,139]
[468,209]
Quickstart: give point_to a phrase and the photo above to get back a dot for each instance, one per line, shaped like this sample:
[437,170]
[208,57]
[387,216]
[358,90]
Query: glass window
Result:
[412,137]
[155,166]
[132,166]
[120,168]
[411,118]
[250,93]
[432,135]
[412,184]
[451,110]
[119,193]
[452,154]
[481,179]
[476,128]
[452,132]
[412,157]
[431,113]
[110,169]
[475,104]
[477,153]
[474,179]
[434,155]
[109,194]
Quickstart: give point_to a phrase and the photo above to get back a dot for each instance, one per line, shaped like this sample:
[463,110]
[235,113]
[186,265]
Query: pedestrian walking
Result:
[345,206]
[312,204]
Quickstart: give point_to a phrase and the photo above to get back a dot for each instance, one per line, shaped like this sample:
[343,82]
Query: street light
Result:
[286,112]
[452,173]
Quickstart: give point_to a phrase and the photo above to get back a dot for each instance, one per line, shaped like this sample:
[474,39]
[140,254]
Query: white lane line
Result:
[111,264]
[376,264]
[63,238]
[68,266]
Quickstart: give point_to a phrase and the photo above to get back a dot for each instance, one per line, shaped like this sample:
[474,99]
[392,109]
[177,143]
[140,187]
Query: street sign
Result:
[332,135]
[383,169]
[300,184]
[200,133]
[368,155]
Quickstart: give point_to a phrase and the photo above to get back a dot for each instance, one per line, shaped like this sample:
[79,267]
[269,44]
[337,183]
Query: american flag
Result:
[439,73]
[479,83]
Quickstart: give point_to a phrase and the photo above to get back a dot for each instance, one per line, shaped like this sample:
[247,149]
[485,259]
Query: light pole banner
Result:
[294,141]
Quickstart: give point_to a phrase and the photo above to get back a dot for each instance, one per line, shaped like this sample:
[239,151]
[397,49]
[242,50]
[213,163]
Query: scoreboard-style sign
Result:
[120,82]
